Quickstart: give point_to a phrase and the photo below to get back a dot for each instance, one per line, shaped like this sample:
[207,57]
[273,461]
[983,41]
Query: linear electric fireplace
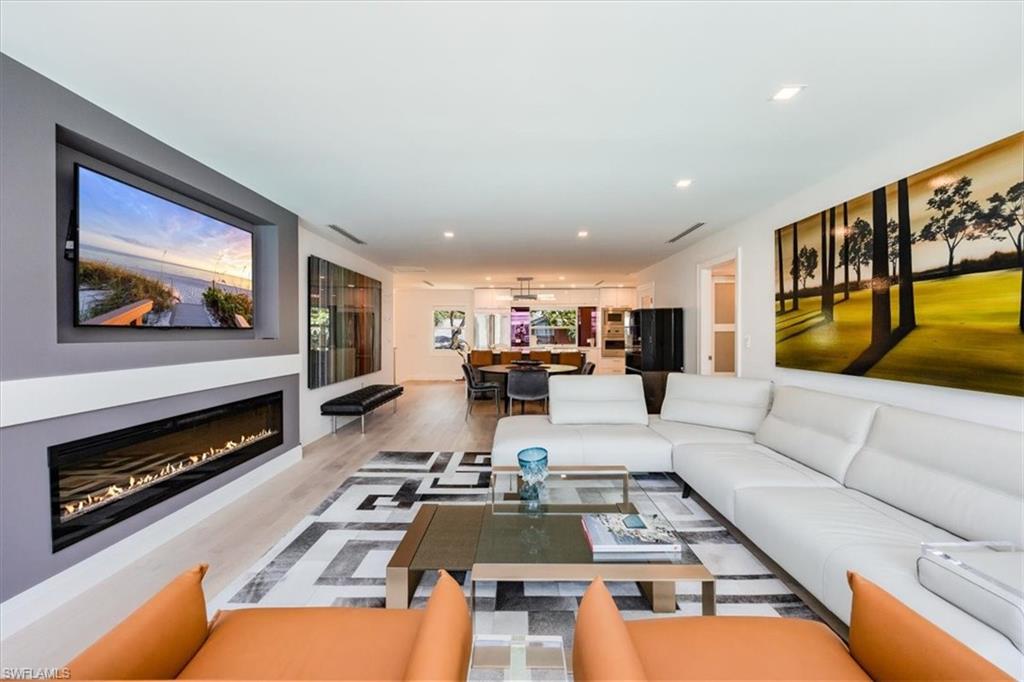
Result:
[98,481]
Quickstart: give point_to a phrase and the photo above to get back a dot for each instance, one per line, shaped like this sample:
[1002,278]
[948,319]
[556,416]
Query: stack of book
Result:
[618,534]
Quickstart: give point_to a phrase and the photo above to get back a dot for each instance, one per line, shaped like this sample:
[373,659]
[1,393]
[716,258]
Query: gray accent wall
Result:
[36,114]
[43,127]
[25,534]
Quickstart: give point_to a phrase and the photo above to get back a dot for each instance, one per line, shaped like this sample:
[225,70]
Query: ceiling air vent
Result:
[685,232]
[346,234]
[598,282]
[429,284]
[408,268]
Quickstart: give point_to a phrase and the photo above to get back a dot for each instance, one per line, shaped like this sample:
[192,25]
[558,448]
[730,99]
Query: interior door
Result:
[723,331]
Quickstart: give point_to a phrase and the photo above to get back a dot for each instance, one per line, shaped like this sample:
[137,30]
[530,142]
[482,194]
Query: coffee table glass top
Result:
[550,530]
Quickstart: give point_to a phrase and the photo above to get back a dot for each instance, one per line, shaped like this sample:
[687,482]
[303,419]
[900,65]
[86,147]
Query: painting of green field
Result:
[966,334]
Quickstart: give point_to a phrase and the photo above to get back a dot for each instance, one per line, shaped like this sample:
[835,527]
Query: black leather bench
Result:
[360,402]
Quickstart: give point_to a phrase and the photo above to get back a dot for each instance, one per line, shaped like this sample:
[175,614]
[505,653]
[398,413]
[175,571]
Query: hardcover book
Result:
[618,533]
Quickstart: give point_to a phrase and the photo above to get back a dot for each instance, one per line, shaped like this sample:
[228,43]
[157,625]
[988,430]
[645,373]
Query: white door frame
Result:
[705,311]
[641,291]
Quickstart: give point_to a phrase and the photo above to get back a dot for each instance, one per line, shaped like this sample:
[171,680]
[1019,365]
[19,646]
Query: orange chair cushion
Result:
[308,643]
[602,648]
[441,650]
[542,355]
[156,641]
[570,358]
[508,356]
[893,642]
[740,648]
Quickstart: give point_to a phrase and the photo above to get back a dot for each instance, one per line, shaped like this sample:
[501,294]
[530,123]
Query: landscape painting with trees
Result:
[920,280]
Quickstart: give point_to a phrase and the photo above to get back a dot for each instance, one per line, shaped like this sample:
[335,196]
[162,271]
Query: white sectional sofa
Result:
[821,483]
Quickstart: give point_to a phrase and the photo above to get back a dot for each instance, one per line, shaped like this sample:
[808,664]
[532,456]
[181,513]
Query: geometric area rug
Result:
[338,553]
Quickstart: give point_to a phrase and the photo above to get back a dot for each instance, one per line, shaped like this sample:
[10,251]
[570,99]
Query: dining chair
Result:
[588,368]
[542,355]
[475,386]
[481,358]
[509,356]
[574,358]
[527,384]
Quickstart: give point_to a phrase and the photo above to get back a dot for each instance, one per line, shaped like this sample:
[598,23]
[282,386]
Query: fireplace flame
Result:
[142,480]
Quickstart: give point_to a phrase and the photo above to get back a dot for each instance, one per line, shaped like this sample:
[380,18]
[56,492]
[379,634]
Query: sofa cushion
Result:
[637,447]
[602,648]
[740,648]
[597,399]
[680,433]
[563,442]
[800,528]
[327,643]
[984,582]
[156,641]
[722,402]
[441,649]
[822,430]
[717,470]
[892,642]
[964,477]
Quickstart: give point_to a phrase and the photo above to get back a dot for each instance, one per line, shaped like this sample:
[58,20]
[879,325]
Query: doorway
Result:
[719,316]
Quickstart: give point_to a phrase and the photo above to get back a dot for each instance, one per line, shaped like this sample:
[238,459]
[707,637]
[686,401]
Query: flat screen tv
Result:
[145,261]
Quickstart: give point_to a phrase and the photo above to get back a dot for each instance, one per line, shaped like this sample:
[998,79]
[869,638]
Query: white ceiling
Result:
[515,125]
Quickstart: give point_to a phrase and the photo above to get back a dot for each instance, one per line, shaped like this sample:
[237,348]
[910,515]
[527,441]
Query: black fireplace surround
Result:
[98,481]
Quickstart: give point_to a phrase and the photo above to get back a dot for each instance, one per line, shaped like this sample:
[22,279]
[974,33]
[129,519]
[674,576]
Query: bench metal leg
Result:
[362,423]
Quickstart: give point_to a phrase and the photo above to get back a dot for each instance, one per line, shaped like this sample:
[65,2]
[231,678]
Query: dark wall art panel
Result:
[919,280]
[344,323]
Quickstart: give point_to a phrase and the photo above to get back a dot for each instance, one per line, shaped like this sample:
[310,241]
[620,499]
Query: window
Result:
[554,327]
[447,324]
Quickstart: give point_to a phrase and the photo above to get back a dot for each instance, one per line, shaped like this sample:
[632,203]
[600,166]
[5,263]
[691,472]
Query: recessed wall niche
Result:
[344,323]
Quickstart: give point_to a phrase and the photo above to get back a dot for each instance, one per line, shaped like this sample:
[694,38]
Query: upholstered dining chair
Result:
[588,368]
[574,358]
[476,386]
[481,358]
[542,355]
[527,384]
[510,356]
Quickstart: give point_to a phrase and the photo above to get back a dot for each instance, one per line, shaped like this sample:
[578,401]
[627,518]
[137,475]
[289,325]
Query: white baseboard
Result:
[39,600]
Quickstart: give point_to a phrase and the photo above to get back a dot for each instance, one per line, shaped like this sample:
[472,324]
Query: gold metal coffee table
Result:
[510,539]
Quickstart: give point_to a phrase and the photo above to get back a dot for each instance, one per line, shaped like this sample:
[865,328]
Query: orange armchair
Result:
[888,641]
[168,637]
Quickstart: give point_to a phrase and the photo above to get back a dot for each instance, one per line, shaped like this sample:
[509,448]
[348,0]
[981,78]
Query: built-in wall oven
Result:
[613,332]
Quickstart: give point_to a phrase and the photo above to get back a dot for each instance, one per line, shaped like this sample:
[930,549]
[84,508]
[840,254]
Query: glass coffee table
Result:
[511,539]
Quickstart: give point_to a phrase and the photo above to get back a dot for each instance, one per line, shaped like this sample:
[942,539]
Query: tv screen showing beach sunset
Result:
[144,261]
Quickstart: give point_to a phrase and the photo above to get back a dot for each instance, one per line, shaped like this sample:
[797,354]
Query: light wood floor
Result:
[429,417]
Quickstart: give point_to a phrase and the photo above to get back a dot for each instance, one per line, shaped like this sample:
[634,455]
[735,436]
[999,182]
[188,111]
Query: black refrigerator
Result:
[654,348]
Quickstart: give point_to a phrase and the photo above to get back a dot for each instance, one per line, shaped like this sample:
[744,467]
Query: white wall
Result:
[676,277]
[314,242]
[414,328]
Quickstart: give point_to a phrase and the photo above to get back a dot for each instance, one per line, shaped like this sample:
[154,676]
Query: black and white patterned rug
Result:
[337,555]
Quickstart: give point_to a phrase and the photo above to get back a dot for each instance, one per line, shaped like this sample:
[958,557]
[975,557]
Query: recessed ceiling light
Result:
[487,278]
[573,286]
[582,233]
[684,183]
[561,278]
[542,286]
[449,235]
[490,286]
[787,92]
[621,285]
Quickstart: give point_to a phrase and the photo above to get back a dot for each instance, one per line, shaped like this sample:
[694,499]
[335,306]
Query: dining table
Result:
[549,368]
